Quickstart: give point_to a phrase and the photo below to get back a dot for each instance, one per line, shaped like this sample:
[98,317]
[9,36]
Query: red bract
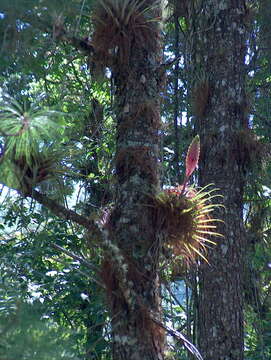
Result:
[192,156]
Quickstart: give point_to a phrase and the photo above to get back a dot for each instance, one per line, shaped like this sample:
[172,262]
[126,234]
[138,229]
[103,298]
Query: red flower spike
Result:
[192,157]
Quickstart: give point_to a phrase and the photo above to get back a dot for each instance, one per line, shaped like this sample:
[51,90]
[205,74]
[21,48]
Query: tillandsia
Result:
[183,214]
[119,26]
[31,155]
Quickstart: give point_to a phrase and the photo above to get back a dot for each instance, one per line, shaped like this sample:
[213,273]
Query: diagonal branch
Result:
[82,261]
[58,32]
[82,44]
[65,213]
[189,346]
[103,236]
[74,256]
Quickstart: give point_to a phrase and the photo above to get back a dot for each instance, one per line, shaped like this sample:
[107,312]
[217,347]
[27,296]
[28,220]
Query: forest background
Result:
[66,182]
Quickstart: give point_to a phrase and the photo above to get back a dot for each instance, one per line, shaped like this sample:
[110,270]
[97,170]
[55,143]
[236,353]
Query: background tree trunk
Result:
[218,62]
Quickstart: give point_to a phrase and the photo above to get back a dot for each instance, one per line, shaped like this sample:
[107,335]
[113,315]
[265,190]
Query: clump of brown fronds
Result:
[120,25]
[249,149]
[40,167]
[184,219]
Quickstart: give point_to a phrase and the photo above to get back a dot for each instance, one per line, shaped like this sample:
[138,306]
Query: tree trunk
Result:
[131,279]
[218,63]
[138,118]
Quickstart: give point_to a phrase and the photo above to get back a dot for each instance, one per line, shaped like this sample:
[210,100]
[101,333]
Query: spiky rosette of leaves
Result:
[25,125]
[31,135]
[40,167]
[122,24]
[185,220]
[183,213]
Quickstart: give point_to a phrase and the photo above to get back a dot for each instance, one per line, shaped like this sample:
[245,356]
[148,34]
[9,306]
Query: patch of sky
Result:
[266,191]
[180,291]
[84,296]
[20,25]
[34,291]
[51,273]
[249,57]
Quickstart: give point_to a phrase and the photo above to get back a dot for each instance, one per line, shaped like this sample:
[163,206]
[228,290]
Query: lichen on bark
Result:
[131,48]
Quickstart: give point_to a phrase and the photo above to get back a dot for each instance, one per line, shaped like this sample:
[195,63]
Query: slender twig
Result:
[76,257]
[65,213]
[176,98]
[82,45]
[80,16]
[189,346]
[103,236]
[67,318]
[64,263]
[174,297]
[169,63]
[60,33]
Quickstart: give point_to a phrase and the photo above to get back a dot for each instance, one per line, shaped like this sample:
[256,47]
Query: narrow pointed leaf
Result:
[203,240]
[199,253]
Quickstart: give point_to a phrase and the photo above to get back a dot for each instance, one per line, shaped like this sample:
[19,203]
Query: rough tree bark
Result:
[218,63]
[131,47]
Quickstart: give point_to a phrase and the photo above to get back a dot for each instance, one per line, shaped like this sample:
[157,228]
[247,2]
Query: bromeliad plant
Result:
[31,151]
[119,25]
[183,214]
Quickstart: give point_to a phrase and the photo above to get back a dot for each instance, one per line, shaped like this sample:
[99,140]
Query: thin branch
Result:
[63,262]
[174,297]
[176,98]
[59,33]
[82,261]
[80,16]
[102,235]
[2,152]
[82,45]
[76,75]
[51,81]
[170,63]
[67,318]
[65,213]
[189,346]
[76,257]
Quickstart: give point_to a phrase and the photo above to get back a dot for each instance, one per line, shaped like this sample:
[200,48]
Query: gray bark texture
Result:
[130,273]
[218,47]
